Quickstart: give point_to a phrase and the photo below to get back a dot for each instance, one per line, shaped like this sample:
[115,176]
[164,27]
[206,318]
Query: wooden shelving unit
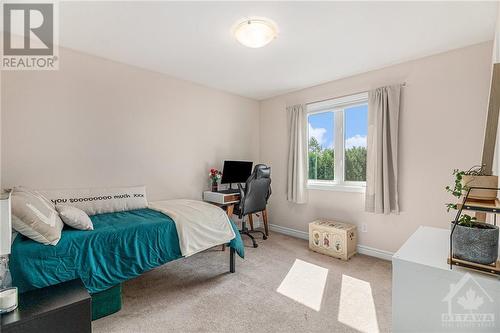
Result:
[488,206]
[493,269]
[480,206]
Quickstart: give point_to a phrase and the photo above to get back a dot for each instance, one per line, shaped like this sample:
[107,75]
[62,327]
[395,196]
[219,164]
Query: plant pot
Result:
[214,187]
[477,244]
[481,181]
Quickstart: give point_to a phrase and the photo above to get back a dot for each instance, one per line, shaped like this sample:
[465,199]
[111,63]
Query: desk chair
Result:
[253,199]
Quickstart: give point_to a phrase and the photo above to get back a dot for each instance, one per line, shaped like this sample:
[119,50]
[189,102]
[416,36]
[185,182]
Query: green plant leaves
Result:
[458,190]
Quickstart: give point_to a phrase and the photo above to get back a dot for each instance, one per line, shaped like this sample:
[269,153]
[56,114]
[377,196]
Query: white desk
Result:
[226,200]
[221,198]
[429,297]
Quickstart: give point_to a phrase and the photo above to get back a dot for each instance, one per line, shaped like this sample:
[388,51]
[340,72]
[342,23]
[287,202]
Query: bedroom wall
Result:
[1,182]
[441,128]
[96,122]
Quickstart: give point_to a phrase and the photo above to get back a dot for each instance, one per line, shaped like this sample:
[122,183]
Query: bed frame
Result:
[232,261]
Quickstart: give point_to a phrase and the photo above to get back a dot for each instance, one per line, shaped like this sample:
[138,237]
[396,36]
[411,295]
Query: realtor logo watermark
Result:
[30,36]
[469,305]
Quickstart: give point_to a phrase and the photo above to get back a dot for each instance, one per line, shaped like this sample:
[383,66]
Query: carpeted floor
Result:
[198,294]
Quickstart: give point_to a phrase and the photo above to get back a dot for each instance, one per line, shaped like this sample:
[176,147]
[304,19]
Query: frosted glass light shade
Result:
[255,33]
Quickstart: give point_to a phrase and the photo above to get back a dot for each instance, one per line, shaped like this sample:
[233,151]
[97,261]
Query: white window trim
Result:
[336,102]
[314,184]
[337,106]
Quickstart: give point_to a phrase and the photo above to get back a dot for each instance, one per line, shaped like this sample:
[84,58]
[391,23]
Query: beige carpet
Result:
[198,294]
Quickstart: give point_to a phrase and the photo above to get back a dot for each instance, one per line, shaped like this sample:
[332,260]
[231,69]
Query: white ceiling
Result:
[318,42]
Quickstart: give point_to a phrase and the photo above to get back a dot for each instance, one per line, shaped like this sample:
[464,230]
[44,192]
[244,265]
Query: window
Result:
[337,131]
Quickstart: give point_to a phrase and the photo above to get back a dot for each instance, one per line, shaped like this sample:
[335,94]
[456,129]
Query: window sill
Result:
[336,187]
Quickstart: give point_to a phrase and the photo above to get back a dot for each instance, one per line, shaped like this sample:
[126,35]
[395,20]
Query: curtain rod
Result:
[403,85]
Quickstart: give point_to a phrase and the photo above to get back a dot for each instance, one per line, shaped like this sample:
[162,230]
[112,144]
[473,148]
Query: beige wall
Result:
[100,123]
[441,128]
[1,131]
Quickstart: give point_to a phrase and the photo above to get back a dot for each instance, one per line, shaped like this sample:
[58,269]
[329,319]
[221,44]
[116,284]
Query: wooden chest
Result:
[333,238]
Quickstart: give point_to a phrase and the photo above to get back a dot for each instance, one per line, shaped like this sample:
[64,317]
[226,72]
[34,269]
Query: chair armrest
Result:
[269,193]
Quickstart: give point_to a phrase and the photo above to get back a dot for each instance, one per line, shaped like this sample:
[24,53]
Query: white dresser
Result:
[429,297]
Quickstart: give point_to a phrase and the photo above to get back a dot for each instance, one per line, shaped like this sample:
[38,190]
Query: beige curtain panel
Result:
[297,154]
[382,150]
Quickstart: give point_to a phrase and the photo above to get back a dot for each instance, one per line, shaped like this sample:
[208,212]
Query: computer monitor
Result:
[236,172]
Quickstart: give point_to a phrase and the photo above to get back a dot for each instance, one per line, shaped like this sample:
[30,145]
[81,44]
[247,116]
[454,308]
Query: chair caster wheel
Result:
[264,238]
[255,245]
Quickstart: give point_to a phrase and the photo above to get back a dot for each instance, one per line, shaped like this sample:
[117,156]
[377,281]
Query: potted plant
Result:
[472,240]
[476,177]
[214,176]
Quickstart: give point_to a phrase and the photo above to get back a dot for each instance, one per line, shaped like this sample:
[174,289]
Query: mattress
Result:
[122,246]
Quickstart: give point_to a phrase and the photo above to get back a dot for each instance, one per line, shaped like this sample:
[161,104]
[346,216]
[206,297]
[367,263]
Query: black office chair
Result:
[253,199]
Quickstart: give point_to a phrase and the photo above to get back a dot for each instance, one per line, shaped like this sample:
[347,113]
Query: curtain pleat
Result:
[382,150]
[297,154]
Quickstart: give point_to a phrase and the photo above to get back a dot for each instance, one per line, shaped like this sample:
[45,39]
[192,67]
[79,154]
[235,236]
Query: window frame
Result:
[337,106]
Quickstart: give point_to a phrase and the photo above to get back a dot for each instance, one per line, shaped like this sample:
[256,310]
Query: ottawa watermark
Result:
[469,305]
[30,35]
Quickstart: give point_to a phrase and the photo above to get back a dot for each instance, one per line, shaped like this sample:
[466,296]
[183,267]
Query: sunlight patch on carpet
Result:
[356,306]
[305,284]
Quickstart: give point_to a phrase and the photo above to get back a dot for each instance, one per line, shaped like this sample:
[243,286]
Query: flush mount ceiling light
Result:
[255,32]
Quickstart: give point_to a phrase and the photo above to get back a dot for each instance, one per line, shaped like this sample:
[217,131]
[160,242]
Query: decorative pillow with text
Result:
[100,200]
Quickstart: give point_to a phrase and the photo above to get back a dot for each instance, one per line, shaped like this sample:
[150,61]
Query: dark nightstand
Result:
[65,307]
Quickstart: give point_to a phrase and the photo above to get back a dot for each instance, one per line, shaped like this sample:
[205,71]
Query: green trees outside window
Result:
[322,162]
[355,164]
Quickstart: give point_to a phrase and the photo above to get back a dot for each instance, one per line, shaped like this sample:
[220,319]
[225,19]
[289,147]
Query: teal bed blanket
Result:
[122,246]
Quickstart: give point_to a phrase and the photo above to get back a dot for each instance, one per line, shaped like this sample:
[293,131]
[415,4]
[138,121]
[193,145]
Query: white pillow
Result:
[74,217]
[100,200]
[35,216]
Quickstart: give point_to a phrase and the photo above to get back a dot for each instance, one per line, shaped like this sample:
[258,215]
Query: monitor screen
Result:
[236,171]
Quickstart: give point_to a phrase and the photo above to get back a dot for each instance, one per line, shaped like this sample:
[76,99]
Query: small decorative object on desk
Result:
[214,176]
[473,243]
[333,238]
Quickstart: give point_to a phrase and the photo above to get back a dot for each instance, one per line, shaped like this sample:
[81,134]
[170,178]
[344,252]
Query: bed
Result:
[122,246]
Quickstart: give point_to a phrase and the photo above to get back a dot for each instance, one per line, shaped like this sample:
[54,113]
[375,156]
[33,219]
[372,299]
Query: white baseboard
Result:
[373,252]
[362,249]
[289,231]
